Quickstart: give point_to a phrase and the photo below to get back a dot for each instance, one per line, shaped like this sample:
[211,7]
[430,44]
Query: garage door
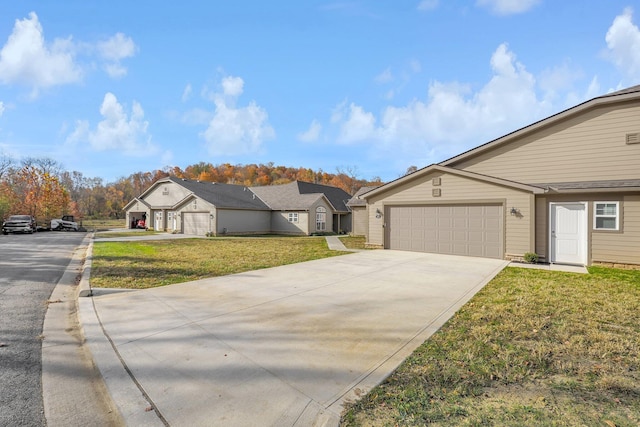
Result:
[473,230]
[196,223]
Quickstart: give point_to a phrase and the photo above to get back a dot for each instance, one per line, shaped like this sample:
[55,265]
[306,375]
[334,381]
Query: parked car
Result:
[19,224]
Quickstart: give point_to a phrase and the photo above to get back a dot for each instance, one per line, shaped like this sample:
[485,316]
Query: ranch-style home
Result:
[566,188]
[208,208]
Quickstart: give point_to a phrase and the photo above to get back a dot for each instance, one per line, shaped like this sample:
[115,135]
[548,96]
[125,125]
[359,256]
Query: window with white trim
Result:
[606,215]
[321,218]
[293,216]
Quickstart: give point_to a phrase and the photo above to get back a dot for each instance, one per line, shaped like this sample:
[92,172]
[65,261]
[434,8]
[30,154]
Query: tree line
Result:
[42,188]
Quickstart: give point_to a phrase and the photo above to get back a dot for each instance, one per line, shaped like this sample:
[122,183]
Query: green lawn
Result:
[147,264]
[533,348]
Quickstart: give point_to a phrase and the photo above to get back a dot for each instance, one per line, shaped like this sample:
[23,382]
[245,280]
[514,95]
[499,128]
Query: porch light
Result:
[514,211]
[378,213]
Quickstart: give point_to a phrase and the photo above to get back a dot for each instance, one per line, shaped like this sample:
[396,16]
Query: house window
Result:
[321,218]
[293,216]
[606,215]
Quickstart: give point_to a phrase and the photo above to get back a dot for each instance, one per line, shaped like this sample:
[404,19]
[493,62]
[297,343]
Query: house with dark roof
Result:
[566,188]
[209,208]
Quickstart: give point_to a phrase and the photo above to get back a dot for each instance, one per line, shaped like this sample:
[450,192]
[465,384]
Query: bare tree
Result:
[6,163]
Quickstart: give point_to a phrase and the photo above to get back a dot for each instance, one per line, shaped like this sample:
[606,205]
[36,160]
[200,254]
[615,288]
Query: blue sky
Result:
[113,88]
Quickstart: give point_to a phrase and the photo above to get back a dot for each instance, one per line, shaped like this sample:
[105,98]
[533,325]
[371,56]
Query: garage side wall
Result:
[442,188]
[234,221]
[360,218]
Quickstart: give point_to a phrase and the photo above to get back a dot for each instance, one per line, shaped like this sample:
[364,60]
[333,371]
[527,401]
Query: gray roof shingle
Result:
[223,195]
[356,200]
[592,185]
[300,195]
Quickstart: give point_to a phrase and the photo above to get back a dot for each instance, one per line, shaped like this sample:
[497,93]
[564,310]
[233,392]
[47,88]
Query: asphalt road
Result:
[30,267]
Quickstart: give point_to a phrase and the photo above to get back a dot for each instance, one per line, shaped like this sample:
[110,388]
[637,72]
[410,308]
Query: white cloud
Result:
[186,93]
[453,116]
[312,134]
[1,108]
[508,7]
[236,130]
[27,59]
[232,86]
[623,42]
[426,5]
[359,126]
[384,77]
[117,131]
[114,50]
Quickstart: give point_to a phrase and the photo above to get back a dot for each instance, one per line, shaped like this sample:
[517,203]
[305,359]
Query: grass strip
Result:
[533,348]
[147,264]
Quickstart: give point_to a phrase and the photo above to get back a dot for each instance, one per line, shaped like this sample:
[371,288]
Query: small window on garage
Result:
[293,216]
[606,216]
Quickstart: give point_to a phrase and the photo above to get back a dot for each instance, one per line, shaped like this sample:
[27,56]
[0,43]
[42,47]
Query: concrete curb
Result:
[84,285]
[128,398]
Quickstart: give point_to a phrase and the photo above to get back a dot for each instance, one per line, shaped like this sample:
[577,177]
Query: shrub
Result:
[531,257]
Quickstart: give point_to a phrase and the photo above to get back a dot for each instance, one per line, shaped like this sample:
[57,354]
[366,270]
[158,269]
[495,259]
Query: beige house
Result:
[566,188]
[207,208]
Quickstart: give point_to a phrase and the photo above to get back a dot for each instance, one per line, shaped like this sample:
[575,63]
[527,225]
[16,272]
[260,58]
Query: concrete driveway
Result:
[284,346]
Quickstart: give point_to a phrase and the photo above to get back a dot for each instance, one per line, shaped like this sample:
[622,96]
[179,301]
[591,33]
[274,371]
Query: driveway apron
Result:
[284,346]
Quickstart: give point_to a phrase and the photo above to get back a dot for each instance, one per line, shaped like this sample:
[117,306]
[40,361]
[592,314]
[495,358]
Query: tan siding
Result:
[167,194]
[243,221]
[280,223]
[312,216]
[604,246]
[620,247]
[360,218]
[459,189]
[542,218]
[584,148]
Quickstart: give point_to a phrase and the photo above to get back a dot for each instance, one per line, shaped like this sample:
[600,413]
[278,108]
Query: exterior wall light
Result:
[378,213]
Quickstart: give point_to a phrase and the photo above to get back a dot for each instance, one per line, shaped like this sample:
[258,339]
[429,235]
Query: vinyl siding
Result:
[587,147]
[457,189]
[620,247]
[280,223]
[174,193]
[360,218]
[312,216]
[243,221]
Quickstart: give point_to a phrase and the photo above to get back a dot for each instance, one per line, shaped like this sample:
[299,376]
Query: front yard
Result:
[533,348]
[147,264]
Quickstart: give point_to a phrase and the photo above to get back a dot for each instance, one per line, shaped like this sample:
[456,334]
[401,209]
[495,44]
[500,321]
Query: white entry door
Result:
[568,233]
[158,222]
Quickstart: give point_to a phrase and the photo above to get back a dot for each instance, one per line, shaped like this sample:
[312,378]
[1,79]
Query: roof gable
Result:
[431,168]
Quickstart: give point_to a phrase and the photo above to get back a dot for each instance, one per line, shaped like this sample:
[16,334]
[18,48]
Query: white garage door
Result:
[473,230]
[196,223]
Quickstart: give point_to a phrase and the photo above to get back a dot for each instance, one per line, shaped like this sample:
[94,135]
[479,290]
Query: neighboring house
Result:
[566,187]
[305,208]
[359,216]
[200,208]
